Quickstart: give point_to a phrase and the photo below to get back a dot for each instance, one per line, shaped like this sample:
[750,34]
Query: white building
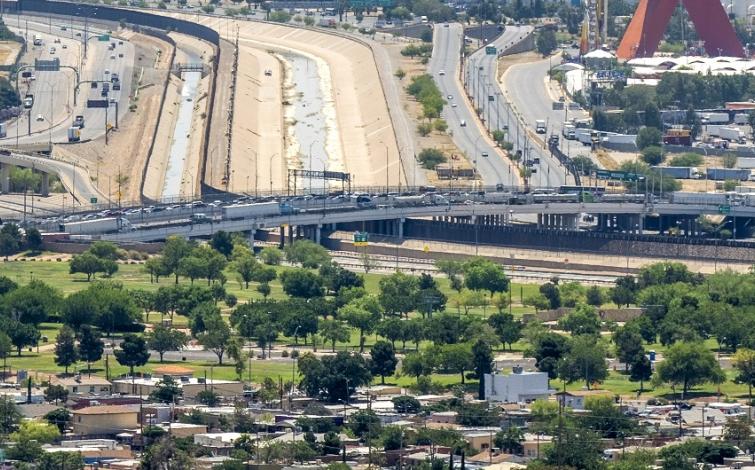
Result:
[518,387]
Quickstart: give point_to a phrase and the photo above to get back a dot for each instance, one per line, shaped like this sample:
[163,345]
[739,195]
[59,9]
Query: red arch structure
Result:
[650,19]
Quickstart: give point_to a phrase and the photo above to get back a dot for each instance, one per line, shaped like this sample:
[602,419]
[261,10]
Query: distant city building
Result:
[109,419]
[576,399]
[518,387]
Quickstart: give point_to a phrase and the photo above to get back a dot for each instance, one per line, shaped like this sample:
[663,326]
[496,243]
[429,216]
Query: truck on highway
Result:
[327,23]
[723,174]
[732,134]
[261,209]
[719,199]
[74,134]
[96,226]
[714,118]
[680,172]
[28,101]
[569,131]
[540,127]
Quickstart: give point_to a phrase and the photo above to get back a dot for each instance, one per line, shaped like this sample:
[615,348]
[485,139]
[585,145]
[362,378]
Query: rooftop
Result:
[107,410]
[172,370]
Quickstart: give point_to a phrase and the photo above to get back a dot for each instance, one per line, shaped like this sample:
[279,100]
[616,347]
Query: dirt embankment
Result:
[119,165]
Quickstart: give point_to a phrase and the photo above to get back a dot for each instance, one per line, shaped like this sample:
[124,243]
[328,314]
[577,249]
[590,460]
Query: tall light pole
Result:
[272,159]
[310,165]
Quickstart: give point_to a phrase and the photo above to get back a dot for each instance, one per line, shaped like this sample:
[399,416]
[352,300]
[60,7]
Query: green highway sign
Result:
[361,238]
[103,37]
[490,50]
[93,200]
[724,209]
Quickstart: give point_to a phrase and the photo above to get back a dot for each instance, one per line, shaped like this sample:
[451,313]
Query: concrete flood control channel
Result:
[312,129]
[180,144]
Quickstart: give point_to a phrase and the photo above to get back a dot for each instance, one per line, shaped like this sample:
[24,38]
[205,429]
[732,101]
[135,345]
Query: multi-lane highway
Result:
[492,165]
[526,87]
[53,110]
[481,78]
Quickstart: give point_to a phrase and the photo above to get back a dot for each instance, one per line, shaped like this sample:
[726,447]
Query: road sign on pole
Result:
[724,209]
[361,238]
[490,50]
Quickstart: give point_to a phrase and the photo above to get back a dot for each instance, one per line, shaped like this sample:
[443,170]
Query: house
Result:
[533,444]
[109,419]
[576,399]
[219,443]
[183,429]
[517,387]
[93,450]
[191,386]
[443,417]
[83,385]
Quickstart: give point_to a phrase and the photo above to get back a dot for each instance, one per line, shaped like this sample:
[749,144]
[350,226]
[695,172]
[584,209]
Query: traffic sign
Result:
[361,238]
[92,200]
[724,209]
[618,175]
[490,50]
[44,65]
[103,37]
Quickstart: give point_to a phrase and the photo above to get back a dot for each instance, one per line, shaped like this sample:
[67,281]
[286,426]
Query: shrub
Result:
[440,125]
[729,160]
[648,136]
[687,159]
[424,129]
[652,155]
[430,158]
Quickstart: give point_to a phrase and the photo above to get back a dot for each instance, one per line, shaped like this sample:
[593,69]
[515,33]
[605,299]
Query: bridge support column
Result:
[400,232]
[318,233]
[252,233]
[4,178]
[539,221]
[282,238]
[45,186]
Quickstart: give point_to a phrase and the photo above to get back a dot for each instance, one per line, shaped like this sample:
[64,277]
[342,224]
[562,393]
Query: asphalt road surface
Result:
[53,110]
[481,78]
[444,66]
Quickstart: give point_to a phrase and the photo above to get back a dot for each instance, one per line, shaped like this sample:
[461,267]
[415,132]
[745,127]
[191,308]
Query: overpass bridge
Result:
[623,217]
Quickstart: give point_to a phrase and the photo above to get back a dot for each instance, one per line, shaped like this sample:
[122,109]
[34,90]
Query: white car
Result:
[463,123]
[52,50]
[40,118]
[442,72]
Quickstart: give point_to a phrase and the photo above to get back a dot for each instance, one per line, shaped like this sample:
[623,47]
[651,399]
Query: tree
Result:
[586,360]
[156,268]
[594,296]
[8,245]
[653,155]
[362,313]
[271,256]
[164,454]
[391,329]
[744,363]
[33,303]
[398,293]
[729,160]
[546,42]
[6,347]
[302,283]
[336,278]
[132,352]
[383,360]
[648,136]
[482,362]
[583,320]
[334,331]
[628,342]
[65,348]
[174,250]
[506,327]
[216,336]
[88,264]
[416,364]
[222,242]
[56,393]
[245,266]
[738,430]
[307,253]
[10,413]
[455,358]
[208,398]
[59,417]
[163,339]
[548,349]
[33,239]
[640,370]
[166,390]
[606,418]
[333,377]
[689,364]
[429,158]
[406,404]
[22,335]
[192,267]
[510,440]
[482,274]
[58,460]
[550,291]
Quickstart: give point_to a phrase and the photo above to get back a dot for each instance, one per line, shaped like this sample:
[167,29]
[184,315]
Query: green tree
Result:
[548,349]
[65,348]
[586,360]
[163,339]
[416,364]
[383,360]
[628,342]
[406,404]
[88,264]
[482,274]
[271,256]
[640,370]
[687,159]
[174,250]
[22,335]
[362,314]
[431,157]
[744,363]
[216,336]
[594,296]
[482,362]
[583,320]
[302,283]
[307,253]
[653,155]
[455,359]
[398,293]
[33,239]
[6,347]
[648,136]
[165,454]
[167,390]
[222,242]
[334,331]
[10,413]
[689,364]
[546,42]
[729,160]
[510,440]
[58,460]
[56,393]
[59,417]
[333,377]
[550,291]
[132,352]
[33,303]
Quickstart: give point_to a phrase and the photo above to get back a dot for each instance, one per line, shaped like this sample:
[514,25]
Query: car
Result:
[113,100]
[484,154]
[445,25]
[112,57]
[63,27]
[453,105]
[450,97]
[40,117]
[463,123]
[107,72]
[78,34]
[57,41]
[64,46]
[52,50]
[442,72]
[268,72]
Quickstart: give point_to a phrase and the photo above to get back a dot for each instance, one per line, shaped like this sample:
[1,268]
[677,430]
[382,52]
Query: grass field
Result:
[132,276]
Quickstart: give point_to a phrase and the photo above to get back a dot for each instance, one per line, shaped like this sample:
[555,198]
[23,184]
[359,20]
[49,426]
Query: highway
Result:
[525,86]
[53,91]
[481,78]
[493,167]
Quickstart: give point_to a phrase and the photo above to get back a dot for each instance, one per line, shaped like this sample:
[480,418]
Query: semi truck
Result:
[261,209]
[569,131]
[713,118]
[96,226]
[680,172]
[732,134]
[722,174]
[74,134]
[540,126]
[681,197]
